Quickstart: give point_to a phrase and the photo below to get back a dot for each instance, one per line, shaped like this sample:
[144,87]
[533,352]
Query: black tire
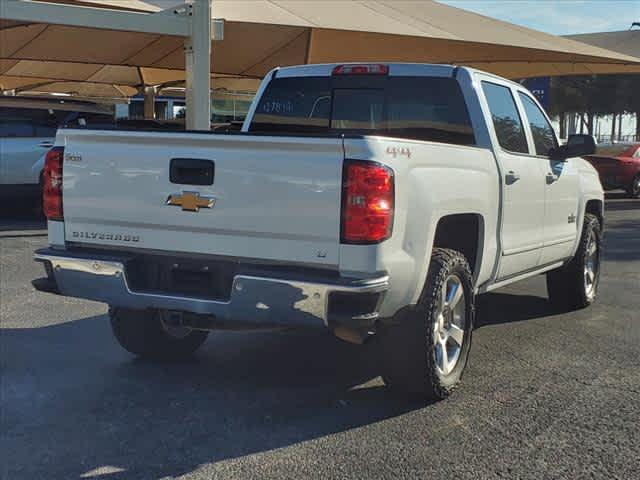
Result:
[142,333]
[634,189]
[567,287]
[410,360]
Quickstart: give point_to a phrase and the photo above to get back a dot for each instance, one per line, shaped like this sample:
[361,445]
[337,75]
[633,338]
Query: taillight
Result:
[366,69]
[367,202]
[52,184]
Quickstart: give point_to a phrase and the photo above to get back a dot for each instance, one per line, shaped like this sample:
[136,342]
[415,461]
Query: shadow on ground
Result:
[498,308]
[244,393]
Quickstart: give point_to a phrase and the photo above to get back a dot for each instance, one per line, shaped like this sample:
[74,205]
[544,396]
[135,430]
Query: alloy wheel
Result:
[591,266]
[449,325]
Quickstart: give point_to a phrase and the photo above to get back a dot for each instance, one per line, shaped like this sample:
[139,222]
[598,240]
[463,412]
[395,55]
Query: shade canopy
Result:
[261,34]
[625,41]
[106,84]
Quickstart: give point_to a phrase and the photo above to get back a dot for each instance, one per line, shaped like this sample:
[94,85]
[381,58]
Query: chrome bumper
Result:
[254,300]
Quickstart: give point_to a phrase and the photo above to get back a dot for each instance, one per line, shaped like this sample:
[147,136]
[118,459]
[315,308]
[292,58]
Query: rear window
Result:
[88,119]
[420,108]
[27,122]
[43,122]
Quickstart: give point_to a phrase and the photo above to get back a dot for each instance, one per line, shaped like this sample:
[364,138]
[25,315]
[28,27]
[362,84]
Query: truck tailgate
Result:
[272,198]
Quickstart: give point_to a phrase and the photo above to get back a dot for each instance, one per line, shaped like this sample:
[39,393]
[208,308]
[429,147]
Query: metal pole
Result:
[198,66]
[149,103]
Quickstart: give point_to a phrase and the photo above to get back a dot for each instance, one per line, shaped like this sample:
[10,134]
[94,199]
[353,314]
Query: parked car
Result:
[27,131]
[357,198]
[619,167]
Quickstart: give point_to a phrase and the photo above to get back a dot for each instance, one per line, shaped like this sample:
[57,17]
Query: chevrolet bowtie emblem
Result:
[190,201]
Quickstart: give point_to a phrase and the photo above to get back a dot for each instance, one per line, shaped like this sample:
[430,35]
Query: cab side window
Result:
[15,128]
[542,132]
[13,124]
[27,122]
[506,119]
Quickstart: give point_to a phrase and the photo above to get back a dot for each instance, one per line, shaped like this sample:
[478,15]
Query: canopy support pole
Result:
[197,49]
[149,103]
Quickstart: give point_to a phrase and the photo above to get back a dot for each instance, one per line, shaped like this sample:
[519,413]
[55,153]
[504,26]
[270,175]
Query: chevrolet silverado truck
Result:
[366,199]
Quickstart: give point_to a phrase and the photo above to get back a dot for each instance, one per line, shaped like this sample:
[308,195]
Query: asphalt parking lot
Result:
[545,395]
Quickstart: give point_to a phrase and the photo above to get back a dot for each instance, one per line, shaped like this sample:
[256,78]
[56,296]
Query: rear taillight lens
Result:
[52,184]
[367,202]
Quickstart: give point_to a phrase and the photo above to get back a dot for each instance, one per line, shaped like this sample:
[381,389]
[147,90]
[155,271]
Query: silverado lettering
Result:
[116,237]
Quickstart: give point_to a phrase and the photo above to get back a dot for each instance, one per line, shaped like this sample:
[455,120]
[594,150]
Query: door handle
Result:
[511,177]
[551,177]
[45,144]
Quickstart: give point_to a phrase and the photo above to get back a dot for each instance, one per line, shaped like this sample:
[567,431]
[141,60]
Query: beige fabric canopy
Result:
[107,81]
[261,34]
[624,41]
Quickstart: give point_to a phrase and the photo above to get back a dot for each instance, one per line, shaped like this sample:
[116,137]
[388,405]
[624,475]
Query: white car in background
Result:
[27,131]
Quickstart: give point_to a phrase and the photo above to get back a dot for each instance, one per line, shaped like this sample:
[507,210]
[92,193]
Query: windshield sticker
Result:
[275,106]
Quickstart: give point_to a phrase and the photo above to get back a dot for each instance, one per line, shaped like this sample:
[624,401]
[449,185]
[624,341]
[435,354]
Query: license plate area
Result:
[206,279]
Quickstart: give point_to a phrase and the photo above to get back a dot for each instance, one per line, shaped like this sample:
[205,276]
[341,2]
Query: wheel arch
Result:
[595,207]
[463,232]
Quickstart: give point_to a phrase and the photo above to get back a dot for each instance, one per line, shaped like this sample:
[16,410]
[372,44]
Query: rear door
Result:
[561,185]
[522,232]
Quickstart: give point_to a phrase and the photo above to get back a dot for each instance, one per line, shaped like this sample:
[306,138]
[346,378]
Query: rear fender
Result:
[433,180]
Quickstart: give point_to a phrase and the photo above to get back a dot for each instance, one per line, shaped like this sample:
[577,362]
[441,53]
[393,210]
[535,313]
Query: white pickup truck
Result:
[368,198]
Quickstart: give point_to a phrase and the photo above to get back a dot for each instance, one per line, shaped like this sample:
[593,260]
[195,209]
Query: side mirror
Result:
[578,145]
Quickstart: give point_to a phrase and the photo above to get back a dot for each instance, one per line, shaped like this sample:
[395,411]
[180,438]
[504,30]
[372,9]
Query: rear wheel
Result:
[575,285]
[146,333]
[634,188]
[425,352]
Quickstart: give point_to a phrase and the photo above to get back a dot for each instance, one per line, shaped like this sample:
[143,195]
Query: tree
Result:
[595,95]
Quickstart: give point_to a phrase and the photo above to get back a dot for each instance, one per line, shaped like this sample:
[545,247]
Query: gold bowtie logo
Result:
[190,201]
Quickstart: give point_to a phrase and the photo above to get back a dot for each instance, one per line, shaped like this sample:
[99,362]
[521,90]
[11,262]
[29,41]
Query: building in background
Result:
[226,107]
[134,110]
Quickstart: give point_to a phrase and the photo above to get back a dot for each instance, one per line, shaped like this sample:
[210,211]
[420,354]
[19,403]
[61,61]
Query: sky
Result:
[559,17]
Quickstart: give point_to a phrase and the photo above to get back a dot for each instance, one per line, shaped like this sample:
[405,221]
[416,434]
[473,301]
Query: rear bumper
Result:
[254,299]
